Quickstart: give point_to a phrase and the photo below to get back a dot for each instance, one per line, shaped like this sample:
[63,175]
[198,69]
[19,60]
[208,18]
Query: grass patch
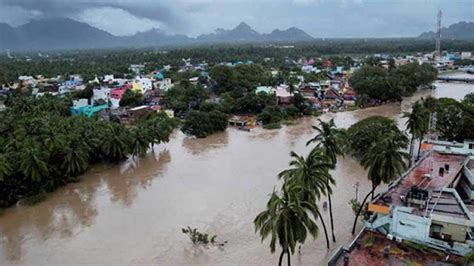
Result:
[272,126]
[35,199]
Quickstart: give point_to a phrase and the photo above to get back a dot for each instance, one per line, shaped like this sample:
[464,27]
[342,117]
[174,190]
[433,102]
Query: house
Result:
[137,113]
[283,94]
[136,68]
[101,95]
[432,204]
[466,55]
[349,94]
[80,103]
[87,110]
[164,85]
[142,85]
[108,78]
[264,89]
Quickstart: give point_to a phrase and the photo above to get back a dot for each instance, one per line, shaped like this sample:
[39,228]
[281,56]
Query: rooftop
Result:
[372,249]
[433,174]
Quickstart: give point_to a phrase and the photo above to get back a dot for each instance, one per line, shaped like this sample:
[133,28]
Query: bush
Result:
[270,115]
[198,237]
[202,124]
[131,98]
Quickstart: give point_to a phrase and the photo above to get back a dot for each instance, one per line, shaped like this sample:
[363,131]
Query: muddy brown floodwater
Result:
[133,213]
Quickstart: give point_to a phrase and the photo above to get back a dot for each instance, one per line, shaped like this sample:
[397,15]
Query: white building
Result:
[80,103]
[101,94]
[466,55]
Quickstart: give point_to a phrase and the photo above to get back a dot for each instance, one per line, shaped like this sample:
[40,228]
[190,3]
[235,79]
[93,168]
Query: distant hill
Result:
[459,31]
[244,33]
[63,33]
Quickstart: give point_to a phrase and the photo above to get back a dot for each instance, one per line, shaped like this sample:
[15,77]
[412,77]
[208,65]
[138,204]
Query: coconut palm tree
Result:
[75,160]
[140,141]
[288,219]
[33,163]
[384,162]
[328,140]
[417,124]
[6,168]
[115,142]
[413,124]
[311,173]
[424,114]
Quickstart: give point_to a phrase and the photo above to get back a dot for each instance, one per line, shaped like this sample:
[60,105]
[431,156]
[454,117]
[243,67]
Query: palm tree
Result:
[417,124]
[6,168]
[115,143]
[311,173]
[424,122]
[384,162]
[287,219]
[75,160]
[414,124]
[328,140]
[33,163]
[140,141]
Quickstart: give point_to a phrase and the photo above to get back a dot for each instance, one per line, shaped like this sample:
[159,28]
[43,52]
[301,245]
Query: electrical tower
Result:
[438,35]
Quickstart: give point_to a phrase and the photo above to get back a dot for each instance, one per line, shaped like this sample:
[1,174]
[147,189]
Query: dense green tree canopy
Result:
[367,132]
[42,147]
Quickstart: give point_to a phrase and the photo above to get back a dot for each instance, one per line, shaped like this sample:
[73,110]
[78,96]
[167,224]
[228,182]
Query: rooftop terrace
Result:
[428,176]
[375,249]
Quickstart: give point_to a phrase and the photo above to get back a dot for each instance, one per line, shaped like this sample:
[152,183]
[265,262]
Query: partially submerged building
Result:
[432,204]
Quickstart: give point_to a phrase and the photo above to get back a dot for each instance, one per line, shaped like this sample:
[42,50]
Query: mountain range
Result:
[63,33]
[459,31]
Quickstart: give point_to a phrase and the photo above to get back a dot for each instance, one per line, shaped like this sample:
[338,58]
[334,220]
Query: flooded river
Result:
[133,213]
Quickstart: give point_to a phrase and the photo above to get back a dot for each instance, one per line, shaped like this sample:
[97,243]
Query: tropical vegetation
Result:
[42,147]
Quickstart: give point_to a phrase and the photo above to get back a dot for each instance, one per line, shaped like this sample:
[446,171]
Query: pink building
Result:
[119,92]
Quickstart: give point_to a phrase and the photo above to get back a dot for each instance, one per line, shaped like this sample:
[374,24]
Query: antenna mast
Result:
[438,35]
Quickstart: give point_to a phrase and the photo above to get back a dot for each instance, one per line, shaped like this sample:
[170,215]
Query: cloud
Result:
[131,9]
[116,21]
[320,18]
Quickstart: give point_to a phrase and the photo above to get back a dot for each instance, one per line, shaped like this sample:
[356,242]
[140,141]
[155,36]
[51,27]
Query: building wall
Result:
[409,226]
[457,232]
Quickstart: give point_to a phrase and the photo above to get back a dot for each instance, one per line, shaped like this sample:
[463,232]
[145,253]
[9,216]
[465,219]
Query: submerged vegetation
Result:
[42,147]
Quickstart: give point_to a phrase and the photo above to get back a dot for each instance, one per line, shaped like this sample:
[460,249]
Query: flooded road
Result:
[133,213]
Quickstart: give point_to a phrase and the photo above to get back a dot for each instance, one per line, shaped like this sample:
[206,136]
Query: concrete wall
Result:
[457,232]
[409,226]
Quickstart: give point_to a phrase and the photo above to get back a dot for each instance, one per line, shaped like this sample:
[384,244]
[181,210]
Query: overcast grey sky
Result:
[320,18]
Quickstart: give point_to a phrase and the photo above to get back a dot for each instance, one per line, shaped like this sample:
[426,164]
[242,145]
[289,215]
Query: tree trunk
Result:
[411,149]
[373,192]
[331,218]
[360,209]
[419,148]
[289,257]
[280,260]
[325,230]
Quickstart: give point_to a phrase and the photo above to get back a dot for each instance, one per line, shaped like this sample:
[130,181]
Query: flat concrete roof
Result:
[426,176]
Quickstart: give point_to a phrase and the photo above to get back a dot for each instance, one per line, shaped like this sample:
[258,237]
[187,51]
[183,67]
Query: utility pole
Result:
[438,36]
[356,186]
